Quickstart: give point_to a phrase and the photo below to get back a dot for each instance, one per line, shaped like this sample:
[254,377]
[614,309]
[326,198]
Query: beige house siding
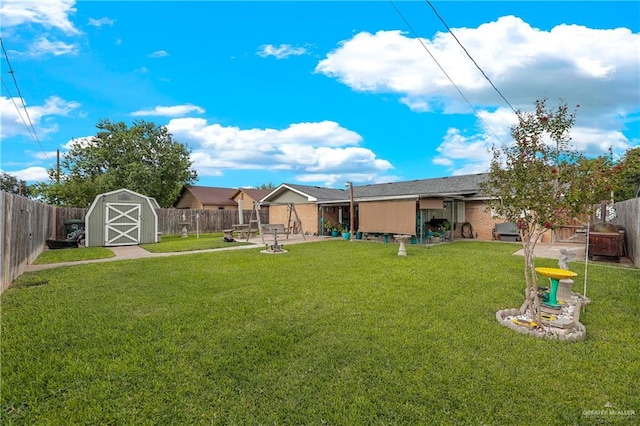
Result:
[289,197]
[188,201]
[308,214]
[244,201]
[216,207]
[278,214]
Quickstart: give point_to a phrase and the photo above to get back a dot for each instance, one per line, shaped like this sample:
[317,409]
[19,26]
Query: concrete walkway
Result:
[552,251]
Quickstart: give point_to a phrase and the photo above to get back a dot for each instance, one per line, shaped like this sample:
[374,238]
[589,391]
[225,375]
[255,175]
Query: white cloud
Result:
[597,69]
[31,174]
[43,46]
[42,155]
[101,22]
[467,151]
[83,141]
[318,148]
[170,111]
[15,121]
[509,50]
[280,52]
[158,54]
[463,152]
[48,13]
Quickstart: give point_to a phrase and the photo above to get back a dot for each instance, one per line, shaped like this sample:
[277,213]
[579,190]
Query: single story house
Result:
[215,198]
[410,207]
[206,198]
[245,199]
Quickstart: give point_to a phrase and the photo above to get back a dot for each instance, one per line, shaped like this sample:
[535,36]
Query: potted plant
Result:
[336,230]
[447,231]
[331,229]
[345,232]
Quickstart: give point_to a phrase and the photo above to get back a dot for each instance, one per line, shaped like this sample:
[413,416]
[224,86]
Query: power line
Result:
[13,101]
[475,112]
[30,127]
[472,60]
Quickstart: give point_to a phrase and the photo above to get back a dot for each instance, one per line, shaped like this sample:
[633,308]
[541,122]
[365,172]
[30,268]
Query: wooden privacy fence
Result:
[628,216]
[25,226]
[170,220]
[204,221]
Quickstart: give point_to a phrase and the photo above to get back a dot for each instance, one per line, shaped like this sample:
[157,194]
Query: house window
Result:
[460,212]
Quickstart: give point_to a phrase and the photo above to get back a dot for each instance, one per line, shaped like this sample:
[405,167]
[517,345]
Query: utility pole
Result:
[352,212]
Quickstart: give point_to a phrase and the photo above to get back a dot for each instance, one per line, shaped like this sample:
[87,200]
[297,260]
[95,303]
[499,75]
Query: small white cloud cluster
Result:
[15,120]
[169,111]
[280,52]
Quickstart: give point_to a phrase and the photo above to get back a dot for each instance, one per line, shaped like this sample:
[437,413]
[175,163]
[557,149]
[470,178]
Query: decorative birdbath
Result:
[402,251]
[185,226]
[185,229]
[554,275]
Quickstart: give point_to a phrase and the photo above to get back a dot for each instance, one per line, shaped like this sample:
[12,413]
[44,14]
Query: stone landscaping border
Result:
[574,333]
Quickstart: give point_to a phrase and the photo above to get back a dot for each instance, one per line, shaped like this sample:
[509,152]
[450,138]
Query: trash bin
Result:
[73,228]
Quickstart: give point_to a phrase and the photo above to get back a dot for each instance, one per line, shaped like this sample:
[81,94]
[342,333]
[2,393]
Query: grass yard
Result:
[332,332]
[173,243]
[168,243]
[73,255]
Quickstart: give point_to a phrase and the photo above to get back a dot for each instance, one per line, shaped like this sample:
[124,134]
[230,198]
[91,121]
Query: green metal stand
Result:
[553,291]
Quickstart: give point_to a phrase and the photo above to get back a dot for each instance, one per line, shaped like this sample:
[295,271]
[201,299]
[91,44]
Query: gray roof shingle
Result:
[463,185]
[450,185]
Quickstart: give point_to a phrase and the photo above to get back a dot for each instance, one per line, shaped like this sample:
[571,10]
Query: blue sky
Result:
[315,93]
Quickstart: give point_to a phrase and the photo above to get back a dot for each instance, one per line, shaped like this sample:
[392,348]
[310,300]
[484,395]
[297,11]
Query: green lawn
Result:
[73,255]
[332,332]
[173,243]
[168,243]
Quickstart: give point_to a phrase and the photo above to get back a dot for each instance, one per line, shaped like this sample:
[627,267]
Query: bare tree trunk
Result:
[531,278]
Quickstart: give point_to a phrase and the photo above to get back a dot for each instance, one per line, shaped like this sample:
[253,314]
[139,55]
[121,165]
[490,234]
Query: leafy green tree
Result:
[539,183]
[143,158]
[628,175]
[266,186]
[13,185]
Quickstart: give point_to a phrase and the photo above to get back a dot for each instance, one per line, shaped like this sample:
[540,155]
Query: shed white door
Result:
[122,224]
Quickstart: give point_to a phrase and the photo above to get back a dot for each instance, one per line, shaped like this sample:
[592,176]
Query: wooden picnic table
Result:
[244,230]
